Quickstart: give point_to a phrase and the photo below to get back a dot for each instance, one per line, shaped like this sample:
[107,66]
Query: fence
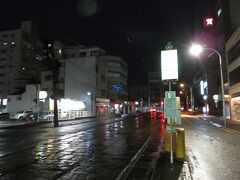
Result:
[64,115]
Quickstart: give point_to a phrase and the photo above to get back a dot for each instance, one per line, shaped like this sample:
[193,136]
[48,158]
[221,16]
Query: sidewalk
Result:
[219,121]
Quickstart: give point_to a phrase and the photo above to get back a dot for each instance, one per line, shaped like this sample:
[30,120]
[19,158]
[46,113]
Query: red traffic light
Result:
[208,22]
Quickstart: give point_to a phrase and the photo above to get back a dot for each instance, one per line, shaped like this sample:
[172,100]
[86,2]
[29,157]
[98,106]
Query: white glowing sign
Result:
[42,94]
[169,64]
[4,102]
[201,88]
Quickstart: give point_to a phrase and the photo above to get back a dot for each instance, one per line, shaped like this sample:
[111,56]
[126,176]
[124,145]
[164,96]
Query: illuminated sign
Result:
[169,64]
[117,88]
[42,94]
[208,22]
[201,88]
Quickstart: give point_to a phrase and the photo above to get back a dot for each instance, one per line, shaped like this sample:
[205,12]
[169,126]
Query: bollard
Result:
[180,144]
[167,140]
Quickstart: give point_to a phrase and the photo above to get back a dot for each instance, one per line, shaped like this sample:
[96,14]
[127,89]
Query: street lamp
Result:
[191,95]
[90,98]
[197,49]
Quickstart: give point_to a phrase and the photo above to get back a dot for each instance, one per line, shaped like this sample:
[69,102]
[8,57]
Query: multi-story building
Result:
[117,76]
[20,58]
[233,56]
[85,77]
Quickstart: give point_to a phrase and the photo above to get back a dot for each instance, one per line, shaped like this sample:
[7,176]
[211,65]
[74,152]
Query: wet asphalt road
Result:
[102,150]
[213,152]
[92,150]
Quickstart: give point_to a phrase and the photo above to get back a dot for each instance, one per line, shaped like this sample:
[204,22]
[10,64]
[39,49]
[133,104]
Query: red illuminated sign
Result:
[208,22]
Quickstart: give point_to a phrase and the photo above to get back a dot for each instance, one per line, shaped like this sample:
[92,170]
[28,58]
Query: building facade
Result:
[117,76]
[233,52]
[20,58]
[233,57]
[85,77]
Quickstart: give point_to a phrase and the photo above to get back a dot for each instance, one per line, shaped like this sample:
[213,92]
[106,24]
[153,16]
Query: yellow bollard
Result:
[167,141]
[180,144]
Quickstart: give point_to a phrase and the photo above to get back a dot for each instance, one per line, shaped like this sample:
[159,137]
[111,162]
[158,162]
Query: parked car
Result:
[47,116]
[22,115]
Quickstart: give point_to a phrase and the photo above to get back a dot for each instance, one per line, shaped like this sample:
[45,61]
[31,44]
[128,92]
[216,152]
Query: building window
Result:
[48,78]
[82,54]
[234,52]
[19,98]
[2,59]
[113,64]
[234,76]
[103,78]
[2,75]
[9,99]
[3,51]
[113,75]
[94,53]
[96,69]
[1,67]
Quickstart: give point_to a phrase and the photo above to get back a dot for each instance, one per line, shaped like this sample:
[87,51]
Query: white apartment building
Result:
[85,76]
[20,58]
[23,101]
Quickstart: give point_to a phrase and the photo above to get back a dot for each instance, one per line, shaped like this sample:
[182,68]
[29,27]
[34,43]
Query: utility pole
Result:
[55,95]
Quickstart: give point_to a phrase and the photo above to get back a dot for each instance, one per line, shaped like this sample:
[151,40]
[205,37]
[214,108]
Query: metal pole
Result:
[171,138]
[186,102]
[222,88]
[149,94]
[222,84]
[38,105]
[192,100]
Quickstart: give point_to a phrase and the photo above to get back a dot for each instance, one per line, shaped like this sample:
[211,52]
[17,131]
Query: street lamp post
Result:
[196,49]
[90,100]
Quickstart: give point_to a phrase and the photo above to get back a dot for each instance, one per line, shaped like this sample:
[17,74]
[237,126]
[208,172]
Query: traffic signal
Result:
[208,22]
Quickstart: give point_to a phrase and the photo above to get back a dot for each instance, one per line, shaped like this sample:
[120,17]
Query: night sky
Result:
[136,30]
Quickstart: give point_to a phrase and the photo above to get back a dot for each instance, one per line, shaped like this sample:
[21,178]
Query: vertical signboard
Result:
[169,65]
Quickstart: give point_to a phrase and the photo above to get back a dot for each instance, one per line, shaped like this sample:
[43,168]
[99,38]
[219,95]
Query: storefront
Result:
[235,108]
[102,106]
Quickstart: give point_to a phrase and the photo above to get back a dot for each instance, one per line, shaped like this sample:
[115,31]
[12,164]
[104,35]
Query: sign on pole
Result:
[169,65]
[172,107]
